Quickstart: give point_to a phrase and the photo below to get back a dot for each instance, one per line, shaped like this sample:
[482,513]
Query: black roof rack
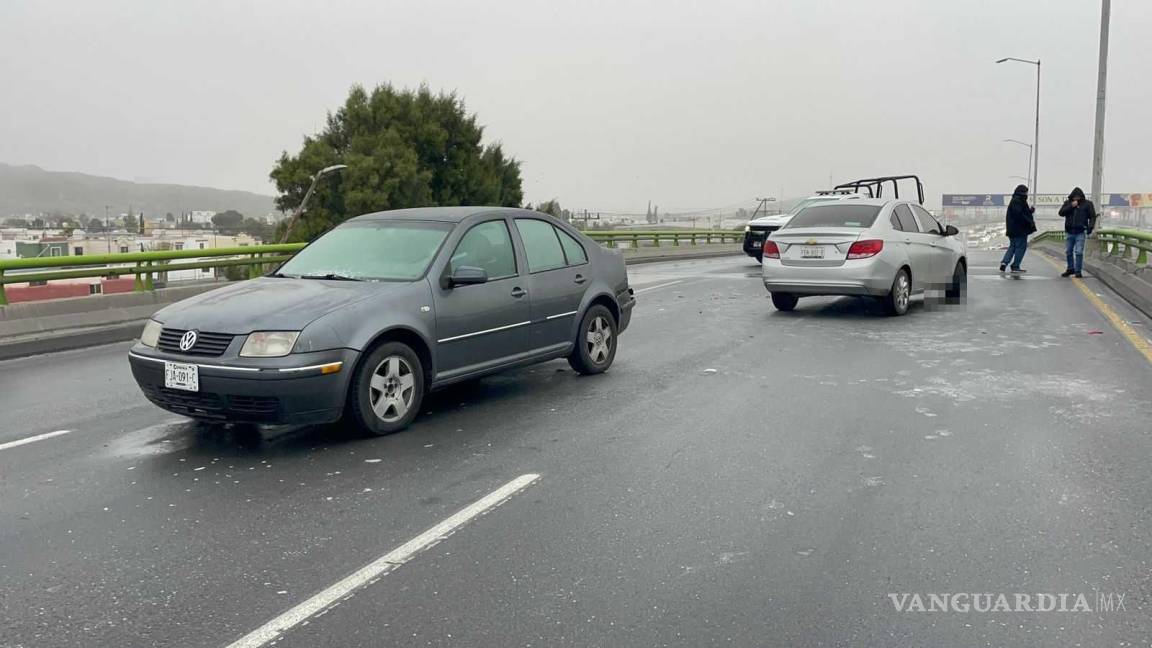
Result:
[835,192]
[875,186]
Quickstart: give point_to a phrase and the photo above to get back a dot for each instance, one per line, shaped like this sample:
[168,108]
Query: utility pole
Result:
[1101,87]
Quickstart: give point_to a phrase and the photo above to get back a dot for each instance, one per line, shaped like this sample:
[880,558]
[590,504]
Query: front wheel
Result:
[387,389]
[955,292]
[784,301]
[595,342]
[901,293]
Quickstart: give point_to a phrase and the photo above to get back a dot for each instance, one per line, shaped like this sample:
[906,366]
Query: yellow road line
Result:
[1139,341]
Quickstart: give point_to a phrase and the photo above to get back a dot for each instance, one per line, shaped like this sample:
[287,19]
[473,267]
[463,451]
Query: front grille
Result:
[214,406]
[207,344]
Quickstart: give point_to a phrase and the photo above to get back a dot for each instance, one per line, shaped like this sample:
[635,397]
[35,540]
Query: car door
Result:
[482,325]
[918,246]
[944,255]
[558,277]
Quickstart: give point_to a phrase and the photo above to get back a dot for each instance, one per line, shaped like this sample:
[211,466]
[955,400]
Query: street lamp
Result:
[308,194]
[1036,137]
[1027,180]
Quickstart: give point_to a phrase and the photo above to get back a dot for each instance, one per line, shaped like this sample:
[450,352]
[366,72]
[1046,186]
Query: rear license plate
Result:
[811,252]
[181,376]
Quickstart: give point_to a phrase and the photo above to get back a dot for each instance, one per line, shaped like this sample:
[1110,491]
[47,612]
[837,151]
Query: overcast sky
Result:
[607,104]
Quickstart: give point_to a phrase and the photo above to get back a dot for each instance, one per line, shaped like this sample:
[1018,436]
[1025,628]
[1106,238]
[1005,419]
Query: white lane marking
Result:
[663,285]
[382,565]
[33,439]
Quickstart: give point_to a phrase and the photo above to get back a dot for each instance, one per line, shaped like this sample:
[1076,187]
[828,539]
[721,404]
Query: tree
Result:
[228,221]
[257,229]
[38,223]
[550,207]
[16,222]
[169,218]
[129,222]
[403,148]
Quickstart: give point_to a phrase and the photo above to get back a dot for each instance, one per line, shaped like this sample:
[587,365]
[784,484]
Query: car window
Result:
[488,246]
[927,222]
[573,251]
[388,250]
[907,222]
[541,245]
[834,215]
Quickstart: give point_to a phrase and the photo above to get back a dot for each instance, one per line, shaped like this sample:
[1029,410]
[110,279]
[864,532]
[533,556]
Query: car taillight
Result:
[770,250]
[865,249]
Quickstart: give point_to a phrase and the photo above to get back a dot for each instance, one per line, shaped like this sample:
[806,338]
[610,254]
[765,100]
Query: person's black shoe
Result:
[1078,275]
[1018,270]
[1002,267]
[1067,273]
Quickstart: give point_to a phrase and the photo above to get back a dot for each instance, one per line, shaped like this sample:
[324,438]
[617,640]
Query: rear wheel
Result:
[387,389]
[901,293]
[955,292]
[595,342]
[784,301]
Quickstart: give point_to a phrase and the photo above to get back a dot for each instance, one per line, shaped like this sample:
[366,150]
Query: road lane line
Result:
[1139,341]
[301,612]
[663,285]
[33,439]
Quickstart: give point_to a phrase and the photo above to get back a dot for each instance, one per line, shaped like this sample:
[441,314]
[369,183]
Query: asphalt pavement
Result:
[741,477]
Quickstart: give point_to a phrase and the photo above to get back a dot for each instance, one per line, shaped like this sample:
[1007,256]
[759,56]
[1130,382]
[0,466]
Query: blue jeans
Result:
[1017,245]
[1074,250]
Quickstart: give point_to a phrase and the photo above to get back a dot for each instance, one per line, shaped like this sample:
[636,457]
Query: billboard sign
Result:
[1044,200]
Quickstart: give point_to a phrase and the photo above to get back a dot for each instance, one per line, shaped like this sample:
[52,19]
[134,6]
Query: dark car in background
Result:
[382,309]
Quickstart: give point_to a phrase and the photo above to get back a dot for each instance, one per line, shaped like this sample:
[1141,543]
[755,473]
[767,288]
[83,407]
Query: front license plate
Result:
[181,376]
[811,252]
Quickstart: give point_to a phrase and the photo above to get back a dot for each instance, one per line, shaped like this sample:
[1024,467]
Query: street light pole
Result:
[1027,179]
[308,194]
[1036,137]
[1101,86]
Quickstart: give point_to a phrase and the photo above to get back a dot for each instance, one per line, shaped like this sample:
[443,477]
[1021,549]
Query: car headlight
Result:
[747,228]
[269,344]
[150,336]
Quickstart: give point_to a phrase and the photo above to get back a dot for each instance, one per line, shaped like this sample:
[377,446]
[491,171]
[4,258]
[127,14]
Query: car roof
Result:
[876,202]
[442,214]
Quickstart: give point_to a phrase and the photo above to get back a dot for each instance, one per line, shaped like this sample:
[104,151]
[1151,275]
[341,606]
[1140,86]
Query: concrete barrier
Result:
[35,327]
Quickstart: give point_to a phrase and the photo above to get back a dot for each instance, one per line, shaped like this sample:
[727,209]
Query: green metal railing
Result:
[1133,245]
[144,266]
[675,237]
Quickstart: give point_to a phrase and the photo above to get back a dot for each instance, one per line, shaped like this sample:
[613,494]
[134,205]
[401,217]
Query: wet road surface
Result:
[741,477]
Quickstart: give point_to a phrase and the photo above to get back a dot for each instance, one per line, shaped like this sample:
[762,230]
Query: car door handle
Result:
[519,292]
[579,279]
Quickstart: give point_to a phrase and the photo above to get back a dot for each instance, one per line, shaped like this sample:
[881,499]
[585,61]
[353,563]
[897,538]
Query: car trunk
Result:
[816,247]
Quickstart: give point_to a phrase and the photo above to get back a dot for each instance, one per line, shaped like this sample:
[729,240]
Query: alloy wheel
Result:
[392,389]
[599,339]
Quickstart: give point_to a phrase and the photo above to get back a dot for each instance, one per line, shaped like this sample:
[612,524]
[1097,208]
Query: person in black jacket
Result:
[1018,225]
[1079,220]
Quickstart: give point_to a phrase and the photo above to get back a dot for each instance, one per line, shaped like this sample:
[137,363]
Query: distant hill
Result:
[32,190]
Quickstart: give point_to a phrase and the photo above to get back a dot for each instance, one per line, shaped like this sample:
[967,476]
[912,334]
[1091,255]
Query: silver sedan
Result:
[889,249]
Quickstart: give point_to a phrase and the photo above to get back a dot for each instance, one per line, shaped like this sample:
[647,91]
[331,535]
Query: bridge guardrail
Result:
[1133,245]
[143,266]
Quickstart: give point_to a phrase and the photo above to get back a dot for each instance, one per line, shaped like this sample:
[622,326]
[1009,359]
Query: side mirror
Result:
[467,276]
[951,230]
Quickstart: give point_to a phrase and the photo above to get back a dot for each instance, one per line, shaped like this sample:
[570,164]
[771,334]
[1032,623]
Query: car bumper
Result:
[754,241]
[273,390]
[871,277]
[627,301]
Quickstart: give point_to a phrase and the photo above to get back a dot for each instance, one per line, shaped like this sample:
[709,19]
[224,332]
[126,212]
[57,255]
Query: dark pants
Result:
[1017,245]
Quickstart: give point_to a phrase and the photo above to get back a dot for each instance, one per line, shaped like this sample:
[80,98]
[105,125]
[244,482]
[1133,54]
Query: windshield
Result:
[374,250]
[838,215]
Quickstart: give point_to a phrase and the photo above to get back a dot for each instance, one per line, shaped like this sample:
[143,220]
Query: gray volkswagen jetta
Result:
[382,309]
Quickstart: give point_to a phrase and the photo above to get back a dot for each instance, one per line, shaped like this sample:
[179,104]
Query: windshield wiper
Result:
[331,277]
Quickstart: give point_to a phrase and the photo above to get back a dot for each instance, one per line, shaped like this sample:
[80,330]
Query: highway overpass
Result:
[741,477]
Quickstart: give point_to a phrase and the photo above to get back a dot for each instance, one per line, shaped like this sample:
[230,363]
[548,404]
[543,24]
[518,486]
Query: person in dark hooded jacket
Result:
[1018,225]
[1079,220]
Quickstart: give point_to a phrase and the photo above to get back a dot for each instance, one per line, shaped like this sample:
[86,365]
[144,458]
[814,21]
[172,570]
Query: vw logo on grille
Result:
[187,341]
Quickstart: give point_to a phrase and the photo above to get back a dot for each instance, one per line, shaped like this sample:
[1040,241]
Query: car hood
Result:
[267,304]
[777,219]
